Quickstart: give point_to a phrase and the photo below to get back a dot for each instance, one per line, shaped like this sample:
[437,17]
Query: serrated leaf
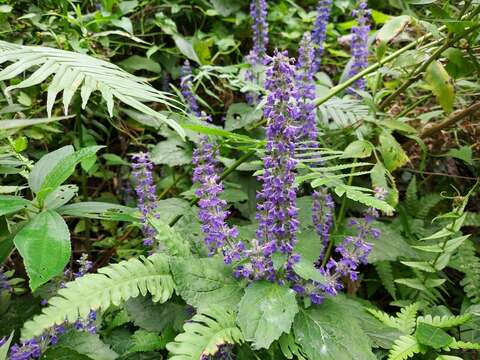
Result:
[358,149]
[171,152]
[46,234]
[203,282]
[87,344]
[45,165]
[327,332]
[265,312]
[393,154]
[441,84]
[403,348]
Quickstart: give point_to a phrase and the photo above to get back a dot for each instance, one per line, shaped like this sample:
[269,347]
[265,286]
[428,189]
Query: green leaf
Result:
[99,210]
[226,7]
[156,317]
[87,344]
[464,153]
[112,285]
[45,165]
[203,282]
[146,341]
[135,63]
[403,348]
[327,332]
[10,204]
[46,234]
[265,312]
[186,48]
[63,353]
[358,149]
[205,333]
[432,336]
[240,115]
[392,153]
[441,84]
[4,348]
[60,196]
[392,28]
[63,170]
[171,152]
[445,321]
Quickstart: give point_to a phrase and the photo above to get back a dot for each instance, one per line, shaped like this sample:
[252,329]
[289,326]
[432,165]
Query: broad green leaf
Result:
[87,344]
[327,332]
[135,63]
[464,153]
[186,48]
[240,115]
[207,281]
[395,124]
[154,316]
[441,84]
[393,154]
[63,170]
[306,270]
[421,265]
[60,196]
[44,244]
[265,312]
[358,149]
[392,28]
[63,353]
[99,210]
[10,204]
[45,165]
[147,341]
[171,152]
[432,336]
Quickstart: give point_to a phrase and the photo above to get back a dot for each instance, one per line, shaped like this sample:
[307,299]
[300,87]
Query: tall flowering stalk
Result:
[146,194]
[186,87]
[213,211]
[256,56]
[359,45]
[319,32]
[276,209]
[306,90]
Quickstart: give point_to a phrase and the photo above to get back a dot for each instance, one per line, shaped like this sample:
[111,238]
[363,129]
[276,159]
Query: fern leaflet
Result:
[444,321]
[403,348]
[112,284]
[72,71]
[204,334]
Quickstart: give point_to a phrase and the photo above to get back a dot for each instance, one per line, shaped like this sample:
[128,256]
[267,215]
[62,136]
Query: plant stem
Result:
[341,216]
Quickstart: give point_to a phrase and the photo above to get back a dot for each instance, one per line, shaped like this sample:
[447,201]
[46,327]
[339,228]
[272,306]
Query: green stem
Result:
[340,217]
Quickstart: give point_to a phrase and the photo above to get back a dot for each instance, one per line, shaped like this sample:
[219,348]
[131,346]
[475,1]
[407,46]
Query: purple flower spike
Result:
[146,194]
[306,90]
[322,216]
[4,285]
[319,33]
[186,87]
[258,13]
[212,212]
[360,43]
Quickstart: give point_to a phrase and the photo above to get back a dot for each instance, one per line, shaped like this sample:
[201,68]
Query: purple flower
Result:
[256,56]
[258,13]
[319,32]
[322,216]
[359,45]
[85,266]
[212,211]
[306,91]
[29,349]
[146,194]
[4,285]
[276,210]
[186,87]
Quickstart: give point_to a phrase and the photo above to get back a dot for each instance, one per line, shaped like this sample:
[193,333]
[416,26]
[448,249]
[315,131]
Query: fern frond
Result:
[385,273]
[426,204]
[403,348]
[384,317]
[338,113]
[406,318]
[462,345]
[466,261]
[444,321]
[72,71]
[112,284]
[472,219]
[204,334]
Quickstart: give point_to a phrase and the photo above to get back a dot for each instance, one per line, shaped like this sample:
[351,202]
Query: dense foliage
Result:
[239,180]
